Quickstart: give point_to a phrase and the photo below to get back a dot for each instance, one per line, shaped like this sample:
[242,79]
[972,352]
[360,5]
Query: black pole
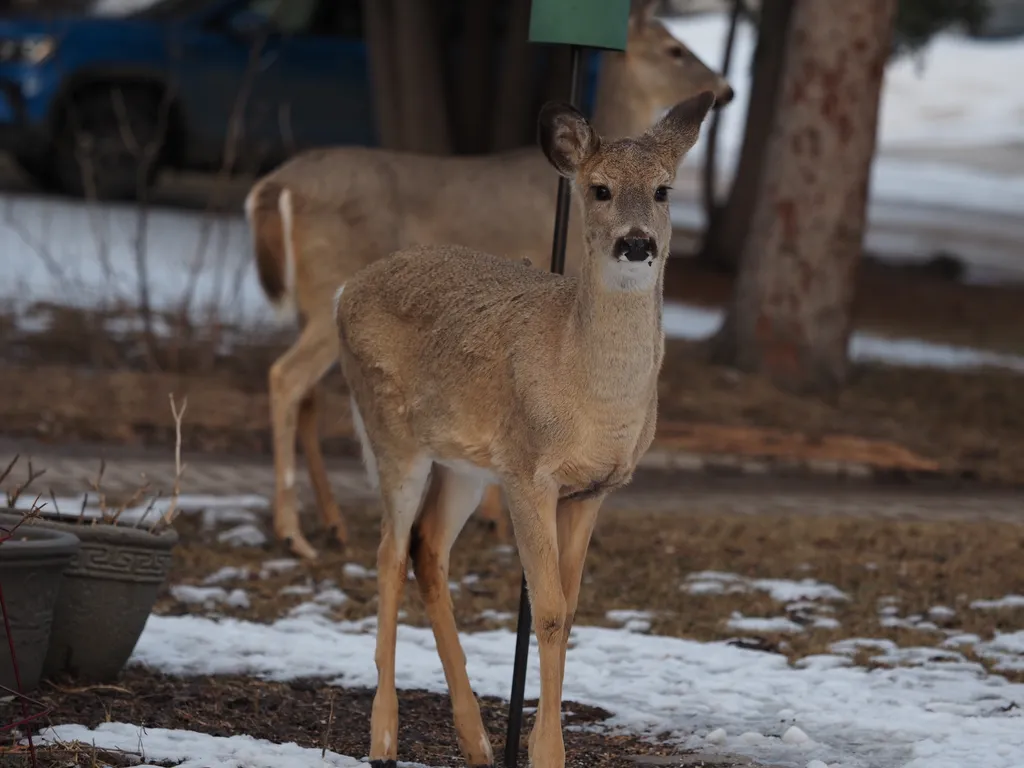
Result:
[515,703]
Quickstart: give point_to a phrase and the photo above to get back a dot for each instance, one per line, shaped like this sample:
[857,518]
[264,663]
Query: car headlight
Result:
[27,50]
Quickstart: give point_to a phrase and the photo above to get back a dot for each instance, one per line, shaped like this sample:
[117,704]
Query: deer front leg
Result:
[309,436]
[533,511]
[292,376]
[451,500]
[576,520]
[402,485]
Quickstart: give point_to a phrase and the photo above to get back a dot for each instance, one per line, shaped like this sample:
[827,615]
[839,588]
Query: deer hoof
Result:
[337,536]
[299,547]
[383,764]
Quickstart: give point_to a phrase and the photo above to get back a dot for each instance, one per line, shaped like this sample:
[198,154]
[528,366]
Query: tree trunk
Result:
[474,88]
[791,312]
[424,107]
[514,117]
[379,16]
[728,227]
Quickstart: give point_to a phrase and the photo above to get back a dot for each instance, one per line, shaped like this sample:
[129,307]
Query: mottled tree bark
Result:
[728,227]
[791,313]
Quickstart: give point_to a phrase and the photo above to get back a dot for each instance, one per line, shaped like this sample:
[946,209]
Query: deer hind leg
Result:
[492,510]
[292,377]
[451,500]
[309,436]
[402,485]
[534,511]
[576,521]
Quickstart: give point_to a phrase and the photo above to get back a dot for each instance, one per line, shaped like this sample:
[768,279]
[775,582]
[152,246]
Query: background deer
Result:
[326,213]
[467,369]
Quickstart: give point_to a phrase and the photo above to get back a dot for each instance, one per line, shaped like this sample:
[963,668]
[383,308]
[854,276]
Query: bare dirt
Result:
[313,714]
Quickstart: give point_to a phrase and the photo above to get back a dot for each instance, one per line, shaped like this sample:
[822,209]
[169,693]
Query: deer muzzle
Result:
[635,248]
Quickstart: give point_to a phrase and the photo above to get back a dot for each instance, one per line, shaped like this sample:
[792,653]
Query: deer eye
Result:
[601,192]
[661,194]
[676,51]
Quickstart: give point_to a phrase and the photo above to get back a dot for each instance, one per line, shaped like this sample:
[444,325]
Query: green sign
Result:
[593,23]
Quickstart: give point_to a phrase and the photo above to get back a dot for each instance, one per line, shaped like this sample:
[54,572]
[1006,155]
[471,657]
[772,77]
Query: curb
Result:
[739,465]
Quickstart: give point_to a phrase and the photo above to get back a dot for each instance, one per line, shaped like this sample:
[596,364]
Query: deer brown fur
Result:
[467,369]
[326,213]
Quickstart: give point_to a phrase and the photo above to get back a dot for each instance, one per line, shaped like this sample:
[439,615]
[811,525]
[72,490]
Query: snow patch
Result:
[934,715]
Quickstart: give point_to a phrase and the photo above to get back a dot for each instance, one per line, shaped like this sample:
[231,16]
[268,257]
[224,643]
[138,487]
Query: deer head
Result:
[653,73]
[622,187]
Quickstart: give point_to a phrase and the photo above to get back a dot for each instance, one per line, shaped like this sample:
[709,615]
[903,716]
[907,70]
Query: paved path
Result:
[71,469]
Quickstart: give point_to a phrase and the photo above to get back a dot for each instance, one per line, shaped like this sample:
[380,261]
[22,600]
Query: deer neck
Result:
[616,325]
[620,107]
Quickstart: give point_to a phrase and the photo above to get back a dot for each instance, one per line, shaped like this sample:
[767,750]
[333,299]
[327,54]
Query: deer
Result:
[467,369]
[326,213]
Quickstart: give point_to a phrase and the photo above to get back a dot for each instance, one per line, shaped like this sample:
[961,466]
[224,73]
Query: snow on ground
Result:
[1007,601]
[805,600]
[210,597]
[215,510]
[934,710]
[958,93]
[198,750]
[782,590]
[88,255]
[686,321]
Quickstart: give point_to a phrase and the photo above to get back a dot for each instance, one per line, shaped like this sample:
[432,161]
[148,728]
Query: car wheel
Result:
[39,170]
[109,143]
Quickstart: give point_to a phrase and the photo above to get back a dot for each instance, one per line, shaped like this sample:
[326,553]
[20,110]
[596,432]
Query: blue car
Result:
[96,105]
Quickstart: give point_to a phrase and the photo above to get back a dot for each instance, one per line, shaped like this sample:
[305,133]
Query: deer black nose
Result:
[724,97]
[635,248]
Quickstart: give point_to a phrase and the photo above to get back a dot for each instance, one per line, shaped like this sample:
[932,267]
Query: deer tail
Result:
[270,212]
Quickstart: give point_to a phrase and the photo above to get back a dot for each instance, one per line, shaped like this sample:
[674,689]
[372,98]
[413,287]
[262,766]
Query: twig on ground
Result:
[7,471]
[97,488]
[149,508]
[327,728]
[13,496]
[172,508]
[131,501]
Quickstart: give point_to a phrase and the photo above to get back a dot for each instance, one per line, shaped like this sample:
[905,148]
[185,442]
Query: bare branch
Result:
[172,508]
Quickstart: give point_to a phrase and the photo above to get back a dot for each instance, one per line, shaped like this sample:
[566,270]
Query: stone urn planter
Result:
[108,592]
[32,564]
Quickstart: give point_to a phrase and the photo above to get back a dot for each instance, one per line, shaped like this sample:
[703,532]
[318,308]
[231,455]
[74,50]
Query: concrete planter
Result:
[108,592]
[32,563]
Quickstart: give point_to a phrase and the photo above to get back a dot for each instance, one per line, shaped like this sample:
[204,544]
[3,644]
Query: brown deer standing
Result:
[326,213]
[467,369]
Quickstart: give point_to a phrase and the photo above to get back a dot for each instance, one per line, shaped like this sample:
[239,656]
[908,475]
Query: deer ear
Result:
[679,130]
[641,12]
[566,137]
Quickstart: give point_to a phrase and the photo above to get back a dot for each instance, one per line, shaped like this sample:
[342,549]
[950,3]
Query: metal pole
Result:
[515,704]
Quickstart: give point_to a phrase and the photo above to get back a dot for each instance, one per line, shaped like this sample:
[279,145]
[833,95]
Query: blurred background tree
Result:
[917,21]
[792,226]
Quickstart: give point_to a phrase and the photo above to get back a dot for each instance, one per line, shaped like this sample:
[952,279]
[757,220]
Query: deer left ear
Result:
[679,130]
[566,137]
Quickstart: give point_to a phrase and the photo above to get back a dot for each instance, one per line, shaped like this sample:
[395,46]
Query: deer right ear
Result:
[679,130]
[566,137]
